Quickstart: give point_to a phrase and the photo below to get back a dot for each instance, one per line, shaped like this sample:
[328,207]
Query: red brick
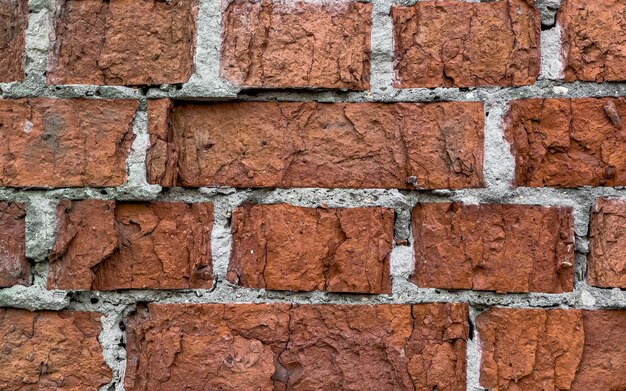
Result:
[123,42]
[593,41]
[13,23]
[568,142]
[285,247]
[607,241]
[462,44]
[538,349]
[104,245]
[14,267]
[333,145]
[504,248]
[64,142]
[303,347]
[280,44]
[51,351]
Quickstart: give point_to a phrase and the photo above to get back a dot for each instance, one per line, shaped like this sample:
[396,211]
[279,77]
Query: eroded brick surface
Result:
[104,245]
[568,142]
[466,44]
[607,244]
[123,42]
[537,349]
[285,44]
[64,142]
[285,247]
[13,23]
[334,145]
[593,40]
[505,248]
[51,351]
[299,347]
[14,267]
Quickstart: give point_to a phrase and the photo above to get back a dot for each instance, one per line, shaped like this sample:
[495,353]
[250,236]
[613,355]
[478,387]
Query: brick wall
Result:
[312,195]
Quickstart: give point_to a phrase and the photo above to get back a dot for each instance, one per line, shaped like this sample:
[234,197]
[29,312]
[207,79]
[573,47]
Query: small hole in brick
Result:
[94,300]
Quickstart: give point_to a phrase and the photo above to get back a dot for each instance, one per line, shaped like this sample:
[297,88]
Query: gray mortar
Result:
[205,84]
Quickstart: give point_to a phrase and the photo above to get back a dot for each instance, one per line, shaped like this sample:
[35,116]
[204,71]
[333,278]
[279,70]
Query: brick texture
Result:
[123,42]
[104,245]
[51,351]
[568,142]
[593,40]
[13,23]
[285,247]
[280,347]
[537,349]
[463,44]
[14,267]
[607,244]
[284,44]
[334,145]
[504,248]
[64,142]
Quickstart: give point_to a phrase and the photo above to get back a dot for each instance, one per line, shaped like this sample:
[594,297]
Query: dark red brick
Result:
[14,267]
[13,23]
[607,244]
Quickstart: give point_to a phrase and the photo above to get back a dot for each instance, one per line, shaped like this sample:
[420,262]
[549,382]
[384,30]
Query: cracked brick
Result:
[123,42]
[13,23]
[284,247]
[303,347]
[331,145]
[14,267]
[108,245]
[46,350]
[593,40]
[568,142]
[607,244]
[453,44]
[503,248]
[65,142]
[280,44]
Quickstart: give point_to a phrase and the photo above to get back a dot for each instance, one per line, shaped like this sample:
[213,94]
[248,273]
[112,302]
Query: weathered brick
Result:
[538,349]
[593,40]
[123,42]
[13,23]
[568,142]
[64,142]
[466,44]
[285,247]
[104,245]
[607,244]
[334,145]
[504,248]
[51,351]
[14,267]
[284,44]
[304,347]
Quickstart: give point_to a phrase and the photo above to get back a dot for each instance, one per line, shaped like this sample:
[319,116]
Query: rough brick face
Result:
[285,44]
[280,347]
[14,268]
[334,145]
[51,351]
[568,142]
[462,44]
[607,244]
[537,349]
[64,142]
[104,245]
[13,23]
[504,248]
[593,40]
[284,247]
[123,42]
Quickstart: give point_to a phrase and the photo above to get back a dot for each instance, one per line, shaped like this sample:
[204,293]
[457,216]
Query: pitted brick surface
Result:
[285,247]
[13,23]
[14,267]
[607,244]
[104,245]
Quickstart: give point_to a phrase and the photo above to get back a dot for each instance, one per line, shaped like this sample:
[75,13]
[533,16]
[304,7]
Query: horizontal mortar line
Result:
[541,89]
